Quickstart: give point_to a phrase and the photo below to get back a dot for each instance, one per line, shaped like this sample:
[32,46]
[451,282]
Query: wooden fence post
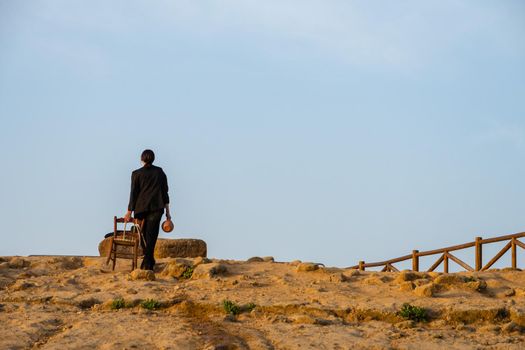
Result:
[514,258]
[445,262]
[479,254]
[362,266]
[415,260]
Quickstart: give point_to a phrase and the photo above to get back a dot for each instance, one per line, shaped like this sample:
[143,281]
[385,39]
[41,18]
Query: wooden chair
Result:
[123,238]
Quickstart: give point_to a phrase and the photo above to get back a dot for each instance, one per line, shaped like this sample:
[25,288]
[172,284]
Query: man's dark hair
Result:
[147,156]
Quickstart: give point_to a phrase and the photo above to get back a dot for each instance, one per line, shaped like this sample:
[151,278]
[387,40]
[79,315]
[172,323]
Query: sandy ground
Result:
[77,303]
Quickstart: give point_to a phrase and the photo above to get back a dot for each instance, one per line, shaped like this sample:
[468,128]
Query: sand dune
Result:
[74,302]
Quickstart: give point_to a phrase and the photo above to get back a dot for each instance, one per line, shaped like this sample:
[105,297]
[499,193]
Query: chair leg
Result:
[110,250]
[135,255]
[114,258]
[132,264]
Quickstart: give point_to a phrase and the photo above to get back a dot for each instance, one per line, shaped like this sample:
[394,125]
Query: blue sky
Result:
[330,131]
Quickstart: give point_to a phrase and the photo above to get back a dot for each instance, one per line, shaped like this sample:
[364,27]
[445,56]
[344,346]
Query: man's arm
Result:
[132,196]
[165,196]
[168,215]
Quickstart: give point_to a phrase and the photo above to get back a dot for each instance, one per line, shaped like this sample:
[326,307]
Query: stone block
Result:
[166,248]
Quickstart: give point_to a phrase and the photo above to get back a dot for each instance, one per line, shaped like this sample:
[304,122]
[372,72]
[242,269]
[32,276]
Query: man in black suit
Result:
[148,199]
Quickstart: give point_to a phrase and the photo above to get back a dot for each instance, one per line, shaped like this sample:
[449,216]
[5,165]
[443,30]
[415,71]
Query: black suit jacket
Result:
[149,189]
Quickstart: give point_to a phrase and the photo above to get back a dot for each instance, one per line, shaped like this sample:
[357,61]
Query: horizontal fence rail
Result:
[445,255]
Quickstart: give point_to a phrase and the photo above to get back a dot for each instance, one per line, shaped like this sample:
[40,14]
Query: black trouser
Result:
[150,232]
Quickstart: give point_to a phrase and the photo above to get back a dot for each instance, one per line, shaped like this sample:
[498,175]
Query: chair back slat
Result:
[131,220]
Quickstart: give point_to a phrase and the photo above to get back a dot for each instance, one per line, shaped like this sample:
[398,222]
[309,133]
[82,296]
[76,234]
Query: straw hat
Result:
[167,226]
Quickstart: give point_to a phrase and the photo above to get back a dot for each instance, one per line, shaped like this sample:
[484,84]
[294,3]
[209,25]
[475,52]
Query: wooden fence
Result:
[445,255]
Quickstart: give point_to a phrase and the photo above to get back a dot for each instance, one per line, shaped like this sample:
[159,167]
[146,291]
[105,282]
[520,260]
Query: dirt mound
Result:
[197,303]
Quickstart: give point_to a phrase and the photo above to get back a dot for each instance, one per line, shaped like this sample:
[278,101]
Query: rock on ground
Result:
[255,259]
[175,269]
[305,267]
[426,290]
[209,270]
[146,275]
